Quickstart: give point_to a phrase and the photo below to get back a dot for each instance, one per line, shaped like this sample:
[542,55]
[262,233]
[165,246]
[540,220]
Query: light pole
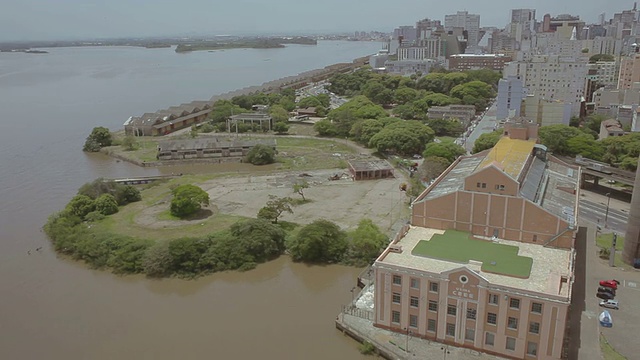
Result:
[445,351]
[606,213]
[353,293]
[406,345]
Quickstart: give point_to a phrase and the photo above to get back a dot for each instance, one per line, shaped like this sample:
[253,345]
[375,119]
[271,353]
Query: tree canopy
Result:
[447,150]
[99,138]
[187,200]
[366,242]
[319,242]
[486,141]
[405,137]
[275,207]
[261,155]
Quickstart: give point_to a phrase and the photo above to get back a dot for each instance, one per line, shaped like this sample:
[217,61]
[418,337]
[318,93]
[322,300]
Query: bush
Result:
[80,206]
[187,200]
[366,348]
[319,242]
[124,194]
[261,155]
[94,216]
[106,204]
[99,138]
[207,128]
[157,260]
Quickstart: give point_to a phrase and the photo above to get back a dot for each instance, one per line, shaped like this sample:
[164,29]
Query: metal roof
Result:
[511,154]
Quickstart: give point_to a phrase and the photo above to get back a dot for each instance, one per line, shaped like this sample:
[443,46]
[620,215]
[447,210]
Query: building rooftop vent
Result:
[395,248]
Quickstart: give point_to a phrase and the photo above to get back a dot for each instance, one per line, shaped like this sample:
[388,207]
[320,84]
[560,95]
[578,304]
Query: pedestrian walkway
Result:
[392,345]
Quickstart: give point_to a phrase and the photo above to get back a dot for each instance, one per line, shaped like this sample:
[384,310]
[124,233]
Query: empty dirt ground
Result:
[343,201]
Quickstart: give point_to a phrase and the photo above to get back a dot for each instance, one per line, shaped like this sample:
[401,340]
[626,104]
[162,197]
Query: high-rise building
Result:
[629,71]
[631,251]
[466,21]
[406,33]
[527,17]
[427,26]
[510,96]
[552,77]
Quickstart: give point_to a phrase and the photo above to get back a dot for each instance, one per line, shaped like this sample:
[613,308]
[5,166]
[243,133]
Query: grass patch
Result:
[459,247]
[298,202]
[366,348]
[608,352]
[605,241]
[446,139]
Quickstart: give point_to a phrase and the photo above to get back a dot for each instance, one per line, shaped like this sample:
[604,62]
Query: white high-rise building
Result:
[552,77]
[469,22]
[510,96]
[526,17]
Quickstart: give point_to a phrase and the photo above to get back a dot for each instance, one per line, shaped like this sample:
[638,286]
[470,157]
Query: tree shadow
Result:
[199,215]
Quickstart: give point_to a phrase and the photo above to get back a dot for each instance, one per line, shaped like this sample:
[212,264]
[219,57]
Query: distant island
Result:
[26,51]
[245,43]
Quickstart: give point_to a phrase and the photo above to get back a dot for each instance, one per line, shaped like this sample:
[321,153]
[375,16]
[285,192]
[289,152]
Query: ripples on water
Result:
[57,309]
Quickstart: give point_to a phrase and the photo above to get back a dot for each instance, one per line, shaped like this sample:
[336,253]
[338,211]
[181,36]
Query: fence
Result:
[354,311]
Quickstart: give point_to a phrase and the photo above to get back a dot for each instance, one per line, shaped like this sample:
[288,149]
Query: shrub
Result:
[187,200]
[157,261]
[366,348]
[319,242]
[106,204]
[261,155]
[80,206]
[207,128]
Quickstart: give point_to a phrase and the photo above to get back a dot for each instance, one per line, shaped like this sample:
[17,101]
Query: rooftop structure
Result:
[208,148]
[168,120]
[484,61]
[367,170]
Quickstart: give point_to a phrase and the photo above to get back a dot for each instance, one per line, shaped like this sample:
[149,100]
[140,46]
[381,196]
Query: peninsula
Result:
[244,43]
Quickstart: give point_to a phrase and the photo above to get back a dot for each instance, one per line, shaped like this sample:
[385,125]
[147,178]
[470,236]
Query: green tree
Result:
[130,142]
[486,141]
[405,95]
[80,206]
[366,242]
[474,93]
[281,127]
[299,188]
[592,122]
[447,150]
[275,207]
[432,167]
[187,200]
[194,131]
[403,137]
[260,238]
[243,101]
[405,111]
[325,128]
[186,254]
[487,76]
[434,82]
[99,138]
[223,109]
[279,114]
[363,130]
[309,101]
[261,155]
[106,204]
[601,57]
[287,104]
[555,137]
[319,242]
[586,146]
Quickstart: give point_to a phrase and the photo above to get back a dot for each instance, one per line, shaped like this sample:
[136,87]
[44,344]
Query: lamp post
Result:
[406,345]
[445,351]
[353,289]
[606,213]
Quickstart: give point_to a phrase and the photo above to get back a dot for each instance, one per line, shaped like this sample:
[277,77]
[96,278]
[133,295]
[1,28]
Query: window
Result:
[500,187]
[478,184]
[535,237]
[451,329]
[471,313]
[414,301]
[397,280]
[512,323]
[395,317]
[536,308]
[433,305]
[451,310]
[470,334]
[532,348]
[514,303]
[484,185]
[511,343]
[492,318]
[396,298]
[493,299]
[413,321]
[431,325]
[534,327]
[415,283]
[489,338]
[433,287]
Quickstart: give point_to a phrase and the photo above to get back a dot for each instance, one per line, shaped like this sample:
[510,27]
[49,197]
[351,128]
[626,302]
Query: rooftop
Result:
[510,154]
[460,247]
[547,265]
[371,165]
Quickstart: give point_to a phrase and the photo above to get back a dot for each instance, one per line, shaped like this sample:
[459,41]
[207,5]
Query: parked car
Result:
[610,284]
[611,304]
[606,289]
[605,295]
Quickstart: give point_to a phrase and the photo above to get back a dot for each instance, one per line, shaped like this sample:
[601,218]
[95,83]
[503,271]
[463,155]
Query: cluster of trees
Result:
[99,138]
[241,247]
[187,200]
[413,96]
[100,198]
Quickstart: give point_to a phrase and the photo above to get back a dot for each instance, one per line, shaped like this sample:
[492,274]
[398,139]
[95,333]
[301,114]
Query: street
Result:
[596,212]
[486,124]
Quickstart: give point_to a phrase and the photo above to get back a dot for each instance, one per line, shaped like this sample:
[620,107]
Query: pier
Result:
[141,180]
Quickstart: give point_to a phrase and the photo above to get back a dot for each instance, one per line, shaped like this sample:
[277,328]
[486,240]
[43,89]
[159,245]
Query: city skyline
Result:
[72,20]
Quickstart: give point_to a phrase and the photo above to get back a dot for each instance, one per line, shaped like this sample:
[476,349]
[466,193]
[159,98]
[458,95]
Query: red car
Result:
[610,283]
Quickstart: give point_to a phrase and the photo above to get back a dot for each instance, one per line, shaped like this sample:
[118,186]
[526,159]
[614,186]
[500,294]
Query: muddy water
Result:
[53,308]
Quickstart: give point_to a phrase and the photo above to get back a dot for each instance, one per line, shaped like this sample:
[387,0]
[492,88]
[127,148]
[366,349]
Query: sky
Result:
[88,19]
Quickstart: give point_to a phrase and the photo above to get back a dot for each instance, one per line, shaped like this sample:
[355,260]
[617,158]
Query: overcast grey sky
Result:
[81,19]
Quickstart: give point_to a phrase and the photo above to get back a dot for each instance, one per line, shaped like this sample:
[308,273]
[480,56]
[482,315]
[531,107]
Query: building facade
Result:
[211,148]
[446,276]
[466,21]
[509,99]
[167,121]
[629,71]
[462,113]
[461,62]
[545,112]
[432,48]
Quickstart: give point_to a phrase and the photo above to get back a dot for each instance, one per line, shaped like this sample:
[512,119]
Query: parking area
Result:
[623,336]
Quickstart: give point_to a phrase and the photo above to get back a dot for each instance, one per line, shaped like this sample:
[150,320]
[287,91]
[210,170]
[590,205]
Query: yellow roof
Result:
[510,154]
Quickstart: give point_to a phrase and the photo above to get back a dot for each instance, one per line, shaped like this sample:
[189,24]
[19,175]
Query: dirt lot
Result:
[343,201]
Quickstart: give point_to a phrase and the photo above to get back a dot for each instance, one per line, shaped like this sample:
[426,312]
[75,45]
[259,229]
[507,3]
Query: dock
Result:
[141,180]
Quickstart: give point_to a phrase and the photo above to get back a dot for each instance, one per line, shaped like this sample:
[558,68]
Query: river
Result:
[54,308]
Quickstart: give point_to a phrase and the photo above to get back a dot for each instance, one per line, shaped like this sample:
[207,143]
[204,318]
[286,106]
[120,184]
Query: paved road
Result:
[595,212]
[487,124]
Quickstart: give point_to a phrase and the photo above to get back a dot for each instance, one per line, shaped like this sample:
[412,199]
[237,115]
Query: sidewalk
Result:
[393,345]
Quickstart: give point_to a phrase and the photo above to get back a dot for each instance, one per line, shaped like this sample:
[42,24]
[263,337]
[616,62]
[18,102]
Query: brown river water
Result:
[54,308]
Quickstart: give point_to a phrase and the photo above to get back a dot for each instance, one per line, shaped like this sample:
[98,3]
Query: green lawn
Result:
[457,246]
[608,352]
[604,241]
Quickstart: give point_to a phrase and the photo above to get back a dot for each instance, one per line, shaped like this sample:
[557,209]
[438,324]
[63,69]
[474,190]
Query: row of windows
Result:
[415,283]
[510,344]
